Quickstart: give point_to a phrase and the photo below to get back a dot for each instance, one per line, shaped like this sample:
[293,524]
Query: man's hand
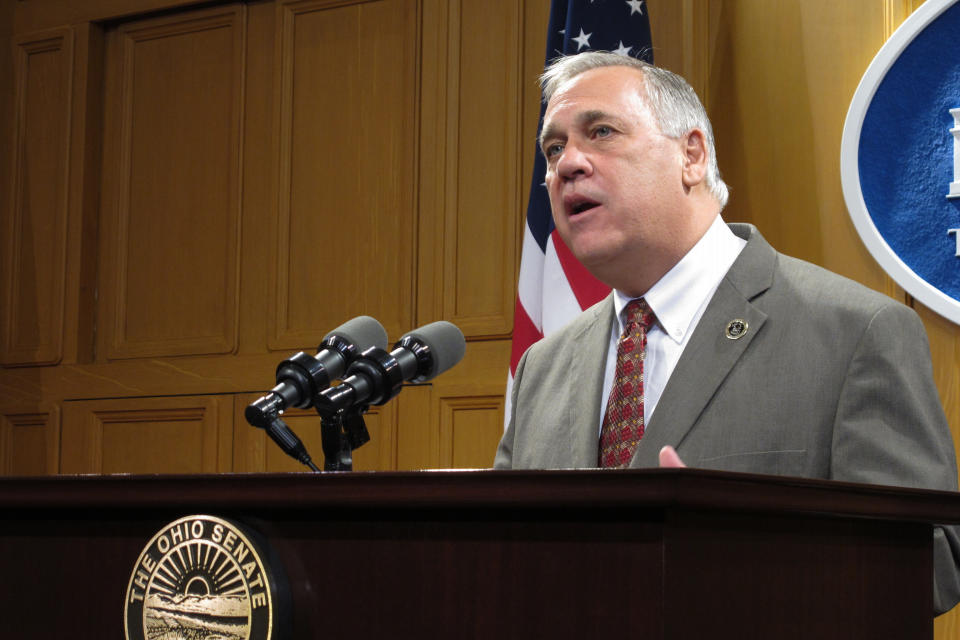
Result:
[669,458]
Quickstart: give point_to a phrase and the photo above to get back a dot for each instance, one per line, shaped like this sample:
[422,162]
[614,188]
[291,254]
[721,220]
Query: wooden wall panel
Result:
[417,441]
[34,233]
[381,452]
[83,201]
[778,109]
[483,196]
[435,70]
[680,32]
[172,187]
[346,229]
[182,434]
[259,208]
[31,15]
[249,443]
[30,443]
[479,108]
[472,194]
[535,21]
[470,429]
[7,126]
[468,404]
[456,419]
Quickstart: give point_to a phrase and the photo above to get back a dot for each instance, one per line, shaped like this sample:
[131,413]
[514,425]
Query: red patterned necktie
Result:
[623,420]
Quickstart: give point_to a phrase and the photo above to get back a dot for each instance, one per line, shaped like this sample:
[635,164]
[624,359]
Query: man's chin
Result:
[593,249]
[594,258]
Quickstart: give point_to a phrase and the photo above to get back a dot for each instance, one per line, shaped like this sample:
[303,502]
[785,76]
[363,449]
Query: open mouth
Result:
[580,207]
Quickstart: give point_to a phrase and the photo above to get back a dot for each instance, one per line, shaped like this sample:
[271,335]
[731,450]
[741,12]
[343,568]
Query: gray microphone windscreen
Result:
[446,343]
[363,332]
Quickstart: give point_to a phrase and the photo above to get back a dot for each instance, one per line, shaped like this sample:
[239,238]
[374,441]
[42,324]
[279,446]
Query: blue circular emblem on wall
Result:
[900,157]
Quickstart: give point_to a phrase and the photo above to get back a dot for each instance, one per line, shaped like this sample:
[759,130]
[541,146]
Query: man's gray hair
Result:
[674,104]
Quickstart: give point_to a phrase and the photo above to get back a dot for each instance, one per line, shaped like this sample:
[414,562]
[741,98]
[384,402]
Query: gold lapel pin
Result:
[736,329]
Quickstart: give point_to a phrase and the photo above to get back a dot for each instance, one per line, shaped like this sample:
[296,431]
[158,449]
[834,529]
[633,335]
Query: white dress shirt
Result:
[678,300]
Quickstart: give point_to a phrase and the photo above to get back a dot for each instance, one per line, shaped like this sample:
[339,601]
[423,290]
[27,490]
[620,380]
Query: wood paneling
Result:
[181,434]
[30,443]
[172,185]
[41,14]
[429,435]
[34,242]
[471,204]
[536,17]
[680,31]
[778,112]
[259,208]
[483,193]
[468,404]
[346,227]
[470,429]
[7,125]
[418,441]
[435,69]
[83,201]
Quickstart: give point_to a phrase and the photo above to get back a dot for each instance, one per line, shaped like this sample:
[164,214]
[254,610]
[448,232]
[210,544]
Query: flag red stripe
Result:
[525,333]
[587,289]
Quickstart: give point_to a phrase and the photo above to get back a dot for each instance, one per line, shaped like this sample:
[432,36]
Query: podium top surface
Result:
[584,490]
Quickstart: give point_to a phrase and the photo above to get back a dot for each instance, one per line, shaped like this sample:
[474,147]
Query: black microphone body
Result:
[302,376]
[377,376]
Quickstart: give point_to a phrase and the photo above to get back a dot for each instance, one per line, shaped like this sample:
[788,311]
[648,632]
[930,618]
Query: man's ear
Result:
[695,155]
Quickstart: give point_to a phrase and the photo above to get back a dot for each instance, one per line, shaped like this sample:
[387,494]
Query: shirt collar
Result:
[677,297]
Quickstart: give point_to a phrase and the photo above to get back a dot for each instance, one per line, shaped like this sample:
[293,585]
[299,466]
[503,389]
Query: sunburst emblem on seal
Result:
[200,578]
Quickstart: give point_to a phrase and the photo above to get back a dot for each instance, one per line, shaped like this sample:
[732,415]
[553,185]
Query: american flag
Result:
[553,287]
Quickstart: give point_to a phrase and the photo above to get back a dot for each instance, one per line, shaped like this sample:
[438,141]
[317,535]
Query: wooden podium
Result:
[653,554]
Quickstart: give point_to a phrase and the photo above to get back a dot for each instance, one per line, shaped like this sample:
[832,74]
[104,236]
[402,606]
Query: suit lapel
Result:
[582,385]
[710,355]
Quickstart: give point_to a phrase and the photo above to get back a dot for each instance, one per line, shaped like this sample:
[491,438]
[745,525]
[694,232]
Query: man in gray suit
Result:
[754,361]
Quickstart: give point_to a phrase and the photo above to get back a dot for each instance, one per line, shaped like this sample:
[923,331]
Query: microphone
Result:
[377,376]
[301,377]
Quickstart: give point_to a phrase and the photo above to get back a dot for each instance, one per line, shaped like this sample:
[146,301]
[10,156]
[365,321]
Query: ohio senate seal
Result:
[200,578]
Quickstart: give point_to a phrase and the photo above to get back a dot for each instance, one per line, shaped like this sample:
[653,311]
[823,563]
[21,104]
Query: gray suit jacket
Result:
[831,380]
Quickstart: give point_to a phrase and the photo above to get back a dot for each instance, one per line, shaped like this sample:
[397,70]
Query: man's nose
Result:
[573,162]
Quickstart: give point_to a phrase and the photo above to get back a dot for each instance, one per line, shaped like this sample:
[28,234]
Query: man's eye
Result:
[602,131]
[552,150]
